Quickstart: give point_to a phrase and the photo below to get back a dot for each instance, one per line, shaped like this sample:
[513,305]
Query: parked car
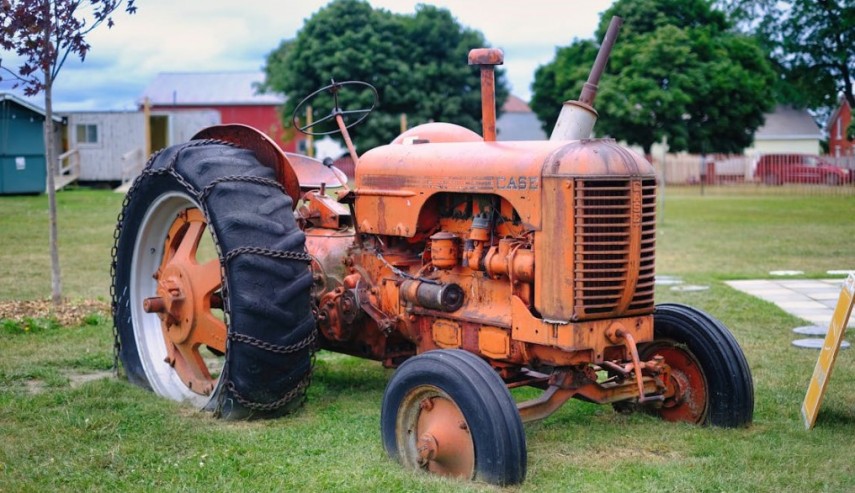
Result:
[776,169]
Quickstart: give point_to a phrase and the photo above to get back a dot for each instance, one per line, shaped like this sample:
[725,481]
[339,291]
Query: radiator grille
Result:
[614,245]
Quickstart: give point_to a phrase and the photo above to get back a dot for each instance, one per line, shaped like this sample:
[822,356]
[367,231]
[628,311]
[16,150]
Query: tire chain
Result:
[308,342]
[286,399]
[274,348]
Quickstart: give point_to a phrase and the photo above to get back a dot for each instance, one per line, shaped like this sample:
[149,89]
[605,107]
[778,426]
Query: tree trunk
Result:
[51,166]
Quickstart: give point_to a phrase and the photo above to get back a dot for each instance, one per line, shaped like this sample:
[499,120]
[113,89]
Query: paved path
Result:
[813,300]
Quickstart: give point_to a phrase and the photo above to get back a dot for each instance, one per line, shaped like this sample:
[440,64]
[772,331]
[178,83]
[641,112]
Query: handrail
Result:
[72,167]
[135,163]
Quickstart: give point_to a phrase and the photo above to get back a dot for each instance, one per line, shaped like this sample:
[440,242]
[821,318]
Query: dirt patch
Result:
[78,379]
[75,380]
[68,314]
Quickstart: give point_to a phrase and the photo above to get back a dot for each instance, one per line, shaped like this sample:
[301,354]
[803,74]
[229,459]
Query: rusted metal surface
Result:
[487,59]
[435,435]
[437,133]
[589,90]
[686,396]
[186,293]
[313,174]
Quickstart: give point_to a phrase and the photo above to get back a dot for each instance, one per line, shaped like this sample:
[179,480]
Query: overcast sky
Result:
[227,35]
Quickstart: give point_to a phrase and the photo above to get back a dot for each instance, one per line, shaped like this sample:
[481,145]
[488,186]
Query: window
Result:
[839,128]
[87,134]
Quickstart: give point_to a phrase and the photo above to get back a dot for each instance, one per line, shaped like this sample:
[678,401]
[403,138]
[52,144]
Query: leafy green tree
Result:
[676,73]
[810,42]
[418,63]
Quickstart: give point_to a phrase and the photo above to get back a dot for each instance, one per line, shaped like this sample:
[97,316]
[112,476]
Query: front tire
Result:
[249,304]
[709,374]
[449,413]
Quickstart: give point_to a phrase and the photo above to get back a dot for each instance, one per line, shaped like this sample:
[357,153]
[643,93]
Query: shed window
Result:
[87,134]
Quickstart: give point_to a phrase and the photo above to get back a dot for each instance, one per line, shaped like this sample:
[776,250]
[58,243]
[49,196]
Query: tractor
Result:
[470,265]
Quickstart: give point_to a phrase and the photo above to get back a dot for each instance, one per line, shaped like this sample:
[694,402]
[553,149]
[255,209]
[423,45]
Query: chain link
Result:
[267,252]
[270,406]
[309,342]
[274,348]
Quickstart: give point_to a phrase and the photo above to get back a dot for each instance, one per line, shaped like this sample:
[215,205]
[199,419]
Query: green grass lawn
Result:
[59,433]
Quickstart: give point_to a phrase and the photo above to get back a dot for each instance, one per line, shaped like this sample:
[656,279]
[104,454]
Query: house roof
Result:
[787,123]
[515,105]
[8,96]
[837,111]
[208,88]
[518,122]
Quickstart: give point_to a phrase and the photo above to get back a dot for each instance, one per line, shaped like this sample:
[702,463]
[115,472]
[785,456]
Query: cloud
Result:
[223,35]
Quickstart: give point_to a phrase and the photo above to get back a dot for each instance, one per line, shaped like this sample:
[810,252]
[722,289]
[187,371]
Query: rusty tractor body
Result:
[473,265]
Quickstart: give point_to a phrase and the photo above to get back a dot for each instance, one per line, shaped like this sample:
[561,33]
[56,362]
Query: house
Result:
[786,130]
[111,145]
[232,94]
[838,125]
[518,122]
[22,145]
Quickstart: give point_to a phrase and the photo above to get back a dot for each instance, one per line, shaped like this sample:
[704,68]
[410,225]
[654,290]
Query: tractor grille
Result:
[614,245]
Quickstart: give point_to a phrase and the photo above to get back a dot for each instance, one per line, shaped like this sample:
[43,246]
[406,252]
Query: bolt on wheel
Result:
[432,434]
[448,412]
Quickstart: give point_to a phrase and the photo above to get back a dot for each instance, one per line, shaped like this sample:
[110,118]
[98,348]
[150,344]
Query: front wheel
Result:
[447,412]
[211,284]
[710,380]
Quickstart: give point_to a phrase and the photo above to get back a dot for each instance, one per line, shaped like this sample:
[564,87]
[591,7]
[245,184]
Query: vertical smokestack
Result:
[577,118]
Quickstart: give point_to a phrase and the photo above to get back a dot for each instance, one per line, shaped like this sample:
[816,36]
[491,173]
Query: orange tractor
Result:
[471,265]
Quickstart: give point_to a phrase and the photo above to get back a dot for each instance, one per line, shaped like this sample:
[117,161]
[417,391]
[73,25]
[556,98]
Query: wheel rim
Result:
[174,300]
[687,396]
[433,434]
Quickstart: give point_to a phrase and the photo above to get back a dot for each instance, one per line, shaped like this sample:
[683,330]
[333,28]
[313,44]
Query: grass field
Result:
[59,432]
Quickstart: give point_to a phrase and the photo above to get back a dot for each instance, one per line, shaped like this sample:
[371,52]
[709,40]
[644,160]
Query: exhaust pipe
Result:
[577,118]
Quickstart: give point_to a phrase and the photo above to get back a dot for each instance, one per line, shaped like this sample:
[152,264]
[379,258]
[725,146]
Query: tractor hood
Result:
[393,182]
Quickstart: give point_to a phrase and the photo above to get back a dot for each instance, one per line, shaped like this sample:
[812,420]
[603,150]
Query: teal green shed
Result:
[22,146]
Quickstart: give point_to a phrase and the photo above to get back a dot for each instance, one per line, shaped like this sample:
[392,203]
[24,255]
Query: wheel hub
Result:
[686,397]
[186,292]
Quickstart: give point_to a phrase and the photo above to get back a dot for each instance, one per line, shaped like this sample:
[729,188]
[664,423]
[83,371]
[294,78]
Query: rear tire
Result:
[708,365]
[458,397]
[260,278]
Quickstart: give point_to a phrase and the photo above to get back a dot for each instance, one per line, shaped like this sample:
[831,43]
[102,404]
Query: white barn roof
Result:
[787,123]
[208,88]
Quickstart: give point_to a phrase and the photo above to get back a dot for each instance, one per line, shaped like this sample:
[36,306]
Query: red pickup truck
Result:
[777,169]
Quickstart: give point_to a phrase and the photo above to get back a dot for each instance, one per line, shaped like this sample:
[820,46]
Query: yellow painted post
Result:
[403,122]
[828,353]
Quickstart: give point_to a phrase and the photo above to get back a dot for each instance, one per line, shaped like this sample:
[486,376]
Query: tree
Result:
[811,43]
[418,63]
[676,73]
[44,33]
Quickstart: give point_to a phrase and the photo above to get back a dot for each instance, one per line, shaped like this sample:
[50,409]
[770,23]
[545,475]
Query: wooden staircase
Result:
[69,169]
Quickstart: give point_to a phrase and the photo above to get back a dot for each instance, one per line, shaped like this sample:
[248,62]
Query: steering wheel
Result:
[334,89]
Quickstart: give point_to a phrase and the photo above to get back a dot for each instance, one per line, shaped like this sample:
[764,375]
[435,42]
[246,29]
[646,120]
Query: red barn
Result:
[838,144]
[233,94]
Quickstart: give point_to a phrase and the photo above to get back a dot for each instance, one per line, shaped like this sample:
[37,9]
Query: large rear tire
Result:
[448,412]
[709,372]
[233,334]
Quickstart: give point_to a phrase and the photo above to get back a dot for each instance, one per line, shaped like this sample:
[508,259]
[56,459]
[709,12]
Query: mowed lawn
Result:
[61,432]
